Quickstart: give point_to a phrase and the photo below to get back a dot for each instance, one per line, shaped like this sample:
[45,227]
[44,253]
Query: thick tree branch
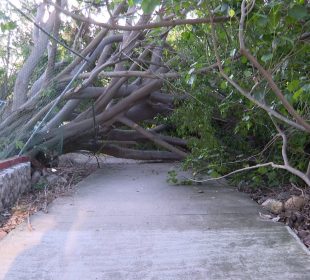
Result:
[121,152]
[170,23]
[132,135]
[53,49]
[152,136]
[37,51]
[91,46]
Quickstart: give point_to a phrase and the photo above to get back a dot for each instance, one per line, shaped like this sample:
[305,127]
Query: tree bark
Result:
[40,44]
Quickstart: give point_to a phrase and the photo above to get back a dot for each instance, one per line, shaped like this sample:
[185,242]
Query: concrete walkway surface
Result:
[126,222]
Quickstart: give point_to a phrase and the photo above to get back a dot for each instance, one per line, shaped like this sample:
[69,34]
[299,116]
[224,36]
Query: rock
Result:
[54,179]
[306,240]
[303,233]
[262,200]
[295,219]
[273,205]
[295,203]
[35,177]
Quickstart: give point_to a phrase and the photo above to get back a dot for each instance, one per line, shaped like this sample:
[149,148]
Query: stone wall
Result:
[14,180]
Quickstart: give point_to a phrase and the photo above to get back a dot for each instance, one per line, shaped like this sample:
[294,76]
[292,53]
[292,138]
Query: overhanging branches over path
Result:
[169,22]
[89,128]
[114,77]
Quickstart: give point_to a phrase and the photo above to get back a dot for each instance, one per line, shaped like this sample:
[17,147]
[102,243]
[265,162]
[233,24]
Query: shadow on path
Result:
[126,222]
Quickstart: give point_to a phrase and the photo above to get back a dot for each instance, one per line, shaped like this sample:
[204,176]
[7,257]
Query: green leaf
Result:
[267,57]
[262,20]
[244,59]
[187,35]
[262,170]
[148,6]
[223,85]
[297,94]
[19,144]
[287,39]
[293,85]
[8,26]
[247,73]
[298,12]
[214,174]
[231,12]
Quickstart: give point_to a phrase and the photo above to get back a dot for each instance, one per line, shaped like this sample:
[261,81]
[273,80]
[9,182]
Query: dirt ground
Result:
[43,192]
[297,220]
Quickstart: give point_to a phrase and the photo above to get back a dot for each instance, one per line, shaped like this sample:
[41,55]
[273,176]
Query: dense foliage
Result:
[225,106]
[226,130]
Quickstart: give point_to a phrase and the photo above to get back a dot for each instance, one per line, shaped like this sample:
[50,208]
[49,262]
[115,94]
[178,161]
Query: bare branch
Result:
[121,152]
[169,23]
[53,49]
[91,46]
[272,164]
[308,170]
[152,136]
[284,145]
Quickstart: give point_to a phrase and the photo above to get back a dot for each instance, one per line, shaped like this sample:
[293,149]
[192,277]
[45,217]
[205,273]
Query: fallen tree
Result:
[131,73]
[110,85]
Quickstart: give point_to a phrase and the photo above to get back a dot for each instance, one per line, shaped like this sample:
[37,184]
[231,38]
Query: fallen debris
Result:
[295,203]
[287,204]
[273,205]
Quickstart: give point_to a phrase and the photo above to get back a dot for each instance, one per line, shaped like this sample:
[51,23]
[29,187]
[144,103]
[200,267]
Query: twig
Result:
[250,157]
[299,189]
[153,25]
[284,145]
[233,172]
[108,9]
[45,200]
[272,164]
[29,226]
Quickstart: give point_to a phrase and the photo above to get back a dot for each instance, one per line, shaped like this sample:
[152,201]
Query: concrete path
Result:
[126,222]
